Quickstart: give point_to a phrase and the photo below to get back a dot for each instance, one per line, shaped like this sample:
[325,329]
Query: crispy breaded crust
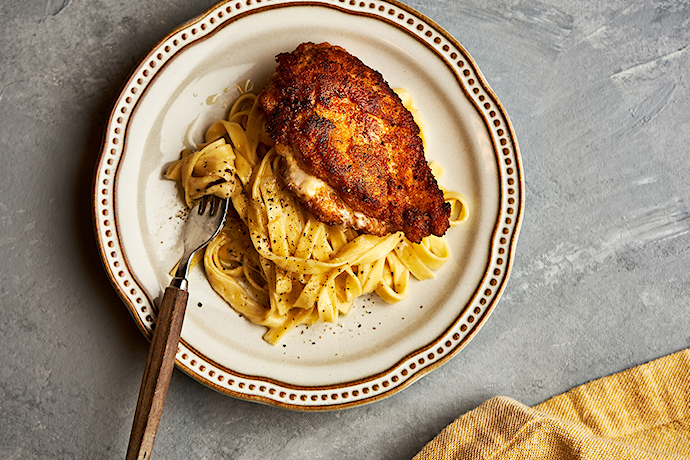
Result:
[347,127]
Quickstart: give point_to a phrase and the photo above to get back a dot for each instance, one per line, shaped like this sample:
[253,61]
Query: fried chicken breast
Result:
[353,155]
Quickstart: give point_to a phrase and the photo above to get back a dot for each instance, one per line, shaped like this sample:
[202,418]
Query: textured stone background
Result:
[598,95]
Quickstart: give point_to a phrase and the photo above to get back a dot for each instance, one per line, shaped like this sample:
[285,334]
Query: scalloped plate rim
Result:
[409,367]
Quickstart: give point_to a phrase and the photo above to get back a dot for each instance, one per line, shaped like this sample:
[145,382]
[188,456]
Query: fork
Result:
[205,221]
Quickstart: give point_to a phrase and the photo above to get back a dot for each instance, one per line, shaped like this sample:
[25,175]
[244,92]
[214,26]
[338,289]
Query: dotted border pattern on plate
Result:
[407,370]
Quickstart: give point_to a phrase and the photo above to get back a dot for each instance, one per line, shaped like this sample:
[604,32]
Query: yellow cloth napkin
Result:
[641,413]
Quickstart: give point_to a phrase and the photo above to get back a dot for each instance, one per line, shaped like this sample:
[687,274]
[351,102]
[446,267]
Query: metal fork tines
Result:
[201,228]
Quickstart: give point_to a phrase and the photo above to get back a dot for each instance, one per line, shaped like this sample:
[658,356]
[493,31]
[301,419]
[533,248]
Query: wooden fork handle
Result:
[157,373]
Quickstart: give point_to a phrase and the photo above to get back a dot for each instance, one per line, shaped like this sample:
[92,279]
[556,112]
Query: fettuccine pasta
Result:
[274,262]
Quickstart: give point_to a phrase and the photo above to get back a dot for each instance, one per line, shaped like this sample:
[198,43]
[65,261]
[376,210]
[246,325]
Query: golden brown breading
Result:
[339,121]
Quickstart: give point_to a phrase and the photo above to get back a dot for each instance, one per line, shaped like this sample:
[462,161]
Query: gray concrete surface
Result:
[598,95]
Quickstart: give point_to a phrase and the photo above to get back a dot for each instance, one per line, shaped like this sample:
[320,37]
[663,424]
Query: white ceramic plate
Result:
[188,80]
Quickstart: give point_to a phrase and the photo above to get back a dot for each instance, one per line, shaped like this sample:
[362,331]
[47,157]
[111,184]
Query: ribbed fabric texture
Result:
[641,413]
